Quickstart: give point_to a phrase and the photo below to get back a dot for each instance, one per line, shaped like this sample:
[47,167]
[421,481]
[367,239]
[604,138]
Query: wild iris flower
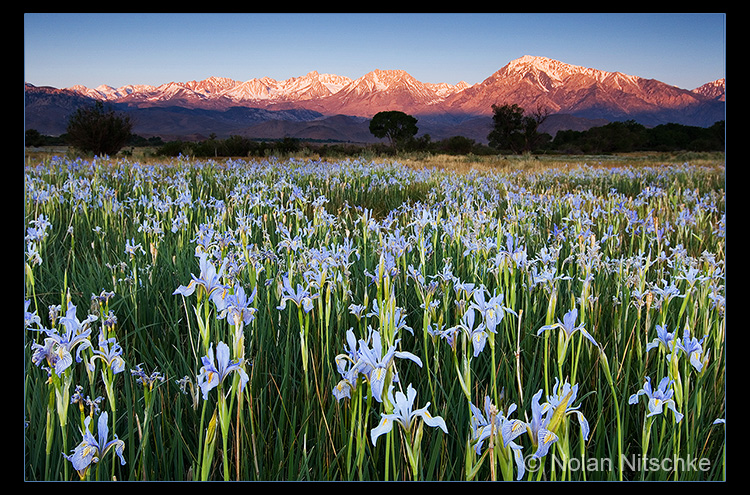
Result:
[58,347]
[110,353]
[399,315]
[492,311]
[32,254]
[131,248]
[667,293]
[663,337]
[691,275]
[39,231]
[478,334]
[214,371]
[547,417]
[348,382]
[693,348]
[483,426]
[387,267]
[374,363]
[357,310]
[560,400]
[569,326]
[658,398]
[450,334]
[29,318]
[301,297]
[348,365]
[209,279]
[464,290]
[237,305]
[404,415]
[546,277]
[92,449]
[144,378]
[542,437]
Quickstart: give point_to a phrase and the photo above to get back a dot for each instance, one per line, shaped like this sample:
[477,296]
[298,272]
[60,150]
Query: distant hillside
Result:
[329,107]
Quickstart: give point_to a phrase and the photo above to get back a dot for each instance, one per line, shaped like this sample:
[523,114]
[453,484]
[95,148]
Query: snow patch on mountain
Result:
[530,81]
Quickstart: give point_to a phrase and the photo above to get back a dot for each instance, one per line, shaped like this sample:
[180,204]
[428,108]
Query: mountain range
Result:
[337,108]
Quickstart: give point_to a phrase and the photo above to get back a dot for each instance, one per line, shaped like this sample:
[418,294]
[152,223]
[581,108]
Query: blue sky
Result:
[61,50]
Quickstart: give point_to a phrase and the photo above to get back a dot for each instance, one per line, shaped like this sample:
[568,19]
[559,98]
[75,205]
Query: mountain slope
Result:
[577,95]
[538,82]
[339,128]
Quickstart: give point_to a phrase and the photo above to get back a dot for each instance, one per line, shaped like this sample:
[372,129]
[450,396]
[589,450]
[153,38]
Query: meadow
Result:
[305,319]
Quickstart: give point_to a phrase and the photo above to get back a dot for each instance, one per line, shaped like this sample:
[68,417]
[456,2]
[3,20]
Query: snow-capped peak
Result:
[555,69]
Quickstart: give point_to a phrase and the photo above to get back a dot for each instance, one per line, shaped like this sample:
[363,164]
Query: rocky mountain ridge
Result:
[225,106]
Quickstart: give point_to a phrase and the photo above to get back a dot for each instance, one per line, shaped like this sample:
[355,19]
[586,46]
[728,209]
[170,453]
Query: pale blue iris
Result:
[483,427]
[374,364]
[58,347]
[405,415]
[92,449]
[214,371]
[569,326]
[658,398]
[542,437]
[209,278]
[693,348]
[663,337]
[110,352]
[301,297]
[237,306]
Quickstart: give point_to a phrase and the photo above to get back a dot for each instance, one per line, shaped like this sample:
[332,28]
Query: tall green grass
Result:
[386,249]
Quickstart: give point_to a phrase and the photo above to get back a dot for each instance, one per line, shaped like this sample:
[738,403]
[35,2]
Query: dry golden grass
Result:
[500,163]
[467,163]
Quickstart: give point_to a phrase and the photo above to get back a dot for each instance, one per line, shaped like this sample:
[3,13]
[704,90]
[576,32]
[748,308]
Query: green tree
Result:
[98,130]
[237,146]
[397,126]
[33,138]
[458,145]
[514,130]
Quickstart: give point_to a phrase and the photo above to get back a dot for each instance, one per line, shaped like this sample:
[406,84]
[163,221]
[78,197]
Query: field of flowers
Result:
[352,320]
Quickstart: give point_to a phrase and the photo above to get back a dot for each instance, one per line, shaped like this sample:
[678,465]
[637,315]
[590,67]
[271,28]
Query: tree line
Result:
[517,131]
[99,131]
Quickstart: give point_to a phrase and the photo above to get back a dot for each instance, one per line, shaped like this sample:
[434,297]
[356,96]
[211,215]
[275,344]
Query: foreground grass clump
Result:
[352,320]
